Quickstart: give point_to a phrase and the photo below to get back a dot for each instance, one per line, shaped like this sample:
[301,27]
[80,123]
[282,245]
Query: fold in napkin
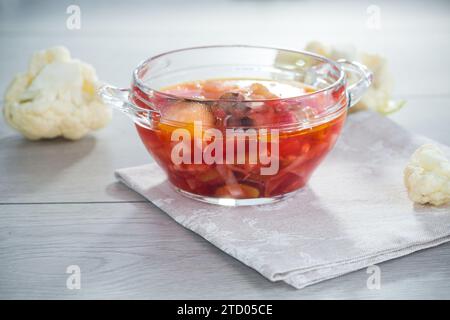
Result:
[353,213]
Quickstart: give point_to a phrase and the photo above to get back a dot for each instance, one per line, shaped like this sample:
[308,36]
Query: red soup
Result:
[252,113]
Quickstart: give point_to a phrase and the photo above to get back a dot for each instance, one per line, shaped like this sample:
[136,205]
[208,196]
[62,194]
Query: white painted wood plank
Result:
[132,250]
[414,36]
[61,171]
[136,251]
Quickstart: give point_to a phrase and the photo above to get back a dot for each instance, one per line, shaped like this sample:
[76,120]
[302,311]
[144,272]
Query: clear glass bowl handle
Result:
[119,98]
[364,79]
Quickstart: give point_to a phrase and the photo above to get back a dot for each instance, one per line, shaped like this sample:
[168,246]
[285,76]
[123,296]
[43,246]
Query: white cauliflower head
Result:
[378,96]
[427,176]
[55,97]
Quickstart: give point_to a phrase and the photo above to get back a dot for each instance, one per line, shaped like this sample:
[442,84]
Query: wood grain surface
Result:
[60,204]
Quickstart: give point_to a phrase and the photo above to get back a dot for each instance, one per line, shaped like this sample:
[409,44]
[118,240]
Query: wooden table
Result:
[60,204]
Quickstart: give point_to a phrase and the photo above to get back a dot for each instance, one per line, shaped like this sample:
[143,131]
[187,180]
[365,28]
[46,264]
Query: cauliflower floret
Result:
[378,96]
[56,97]
[427,176]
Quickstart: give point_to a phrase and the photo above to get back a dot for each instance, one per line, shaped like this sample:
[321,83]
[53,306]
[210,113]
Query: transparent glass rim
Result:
[142,86]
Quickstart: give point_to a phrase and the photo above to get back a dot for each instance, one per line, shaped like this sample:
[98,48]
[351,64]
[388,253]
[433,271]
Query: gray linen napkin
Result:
[353,213]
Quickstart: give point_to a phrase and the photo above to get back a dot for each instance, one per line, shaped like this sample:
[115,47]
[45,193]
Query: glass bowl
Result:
[261,160]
